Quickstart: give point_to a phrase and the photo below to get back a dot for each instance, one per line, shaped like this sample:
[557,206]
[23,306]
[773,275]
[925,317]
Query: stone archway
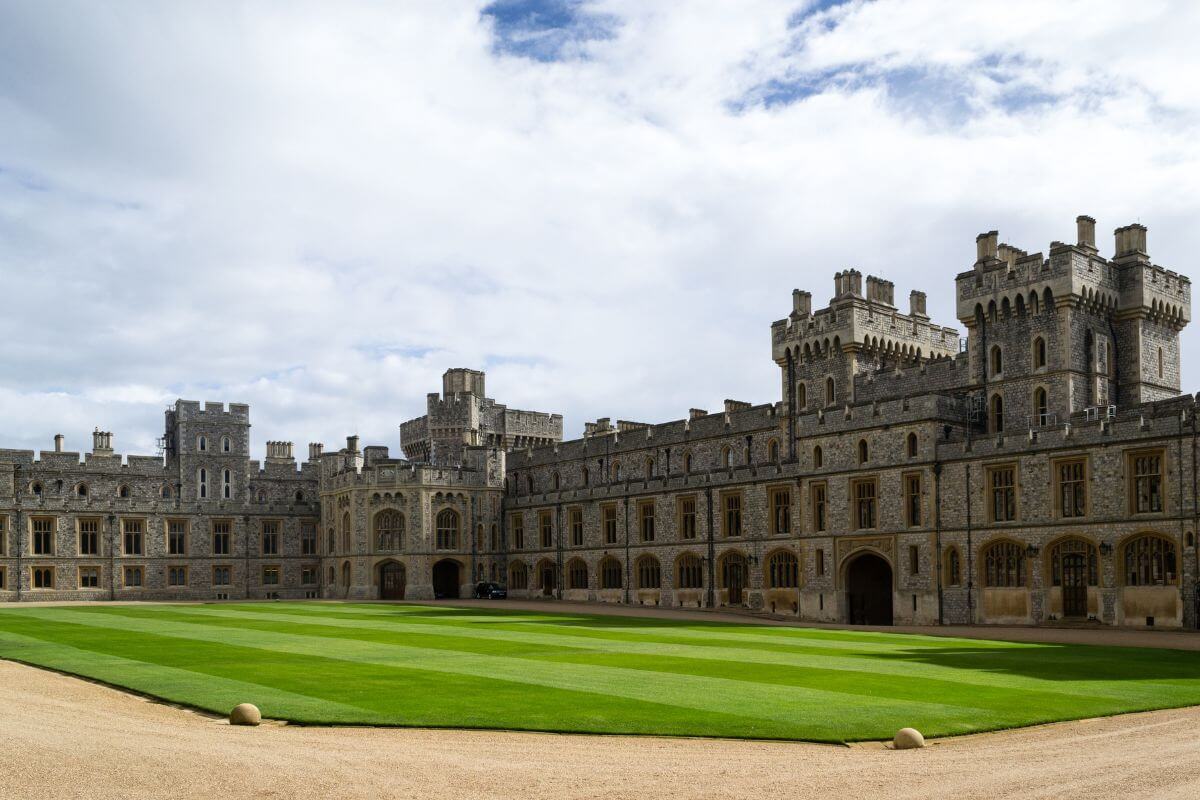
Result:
[446,579]
[869,590]
[392,580]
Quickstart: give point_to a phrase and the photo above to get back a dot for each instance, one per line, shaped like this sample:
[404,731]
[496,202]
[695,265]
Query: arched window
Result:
[81,490]
[225,445]
[1040,406]
[202,483]
[346,532]
[610,573]
[1150,561]
[649,573]
[689,572]
[911,446]
[346,573]
[1004,565]
[166,491]
[1039,352]
[615,470]
[577,574]
[332,545]
[389,530]
[997,360]
[202,443]
[818,457]
[332,576]
[529,483]
[518,575]
[299,497]
[862,451]
[773,451]
[996,418]
[648,468]
[586,477]
[447,529]
[801,396]
[727,457]
[953,567]
[783,570]
[557,482]
[226,484]
[1160,362]
[830,396]
[123,491]
[687,463]
[1073,551]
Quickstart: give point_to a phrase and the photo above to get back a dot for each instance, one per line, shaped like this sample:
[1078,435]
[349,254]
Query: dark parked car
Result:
[490,591]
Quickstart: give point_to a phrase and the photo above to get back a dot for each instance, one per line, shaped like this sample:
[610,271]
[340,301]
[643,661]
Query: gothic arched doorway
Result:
[445,579]
[391,581]
[869,590]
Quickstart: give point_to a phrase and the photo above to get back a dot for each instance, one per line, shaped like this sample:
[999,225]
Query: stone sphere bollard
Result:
[908,739]
[245,714]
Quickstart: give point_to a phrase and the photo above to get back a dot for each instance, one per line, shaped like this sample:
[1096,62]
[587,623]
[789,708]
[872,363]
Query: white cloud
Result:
[317,212]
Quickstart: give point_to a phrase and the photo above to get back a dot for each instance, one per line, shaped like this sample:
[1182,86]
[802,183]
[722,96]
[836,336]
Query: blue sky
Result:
[604,204]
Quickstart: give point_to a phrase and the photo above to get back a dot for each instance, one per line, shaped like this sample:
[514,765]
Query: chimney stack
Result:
[102,442]
[696,413]
[58,442]
[916,304]
[880,291]
[985,246]
[801,304]
[315,449]
[352,444]
[1130,240]
[1085,227]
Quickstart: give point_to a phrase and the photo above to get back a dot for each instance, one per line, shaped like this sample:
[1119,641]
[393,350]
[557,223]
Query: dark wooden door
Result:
[548,583]
[736,581]
[391,581]
[1074,585]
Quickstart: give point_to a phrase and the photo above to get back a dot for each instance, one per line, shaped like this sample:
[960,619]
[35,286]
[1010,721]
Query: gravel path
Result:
[64,737]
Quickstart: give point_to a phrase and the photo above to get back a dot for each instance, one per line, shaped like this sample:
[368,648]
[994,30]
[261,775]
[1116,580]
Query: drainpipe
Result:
[791,412]
[558,578]
[1195,525]
[970,551]
[20,528]
[625,504]
[937,538]
[712,549]
[112,557]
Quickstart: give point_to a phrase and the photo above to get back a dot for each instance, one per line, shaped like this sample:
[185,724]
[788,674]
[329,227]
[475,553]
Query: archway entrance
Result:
[445,579]
[391,581]
[869,590]
[548,579]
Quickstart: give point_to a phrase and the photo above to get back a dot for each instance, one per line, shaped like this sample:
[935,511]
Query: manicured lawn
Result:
[485,668]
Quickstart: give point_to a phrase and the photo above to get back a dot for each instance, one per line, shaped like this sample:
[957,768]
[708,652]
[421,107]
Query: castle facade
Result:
[1041,469]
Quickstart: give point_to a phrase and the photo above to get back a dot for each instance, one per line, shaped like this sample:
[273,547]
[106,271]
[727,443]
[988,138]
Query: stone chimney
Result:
[279,451]
[880,291]
[1085,228]
[315,449]
[916,304]
[847,282]
[985,247]
[696,413]
[58,442]
[102,442]
[1130,240]
[352,444]
[801,304]
[736,405]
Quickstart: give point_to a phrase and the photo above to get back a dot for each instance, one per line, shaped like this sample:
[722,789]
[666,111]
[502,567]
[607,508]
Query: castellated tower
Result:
[1051,336]
[824,355]
[206,450]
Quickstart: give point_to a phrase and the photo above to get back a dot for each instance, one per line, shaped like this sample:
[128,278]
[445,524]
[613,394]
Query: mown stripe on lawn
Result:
[177,685]
[770,702]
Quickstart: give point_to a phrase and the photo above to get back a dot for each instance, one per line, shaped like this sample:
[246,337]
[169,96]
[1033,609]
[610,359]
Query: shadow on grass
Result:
[1059,662]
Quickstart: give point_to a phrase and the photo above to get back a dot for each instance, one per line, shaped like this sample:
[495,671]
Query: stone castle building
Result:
[1041,469]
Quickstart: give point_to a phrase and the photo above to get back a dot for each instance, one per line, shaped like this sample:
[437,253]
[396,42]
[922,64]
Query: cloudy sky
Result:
[318,209]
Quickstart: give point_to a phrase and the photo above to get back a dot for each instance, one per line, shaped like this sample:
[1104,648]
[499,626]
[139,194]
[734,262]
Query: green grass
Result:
[492,668]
